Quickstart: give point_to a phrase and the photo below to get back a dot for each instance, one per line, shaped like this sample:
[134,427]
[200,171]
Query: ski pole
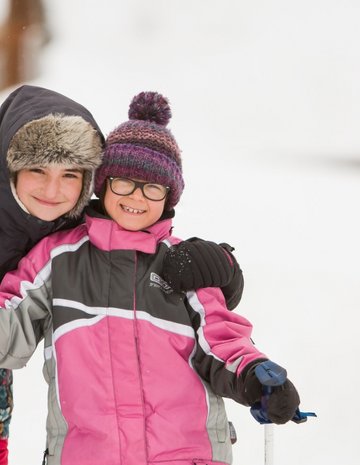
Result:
[270,375]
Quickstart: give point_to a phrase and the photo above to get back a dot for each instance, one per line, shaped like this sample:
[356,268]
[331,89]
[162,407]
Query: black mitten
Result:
[252,388]
[233,291]
[283,400]
[195,263]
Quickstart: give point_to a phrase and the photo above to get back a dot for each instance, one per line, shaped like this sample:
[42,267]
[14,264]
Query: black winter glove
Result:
[195,263]
[233,291]
[283,400]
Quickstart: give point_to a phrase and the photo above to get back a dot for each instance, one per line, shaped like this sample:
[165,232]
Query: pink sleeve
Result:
[225,335]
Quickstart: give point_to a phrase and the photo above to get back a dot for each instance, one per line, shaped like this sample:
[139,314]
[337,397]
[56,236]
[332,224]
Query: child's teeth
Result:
[133,210]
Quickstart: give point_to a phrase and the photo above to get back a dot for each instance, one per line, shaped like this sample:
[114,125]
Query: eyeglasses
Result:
[125,186]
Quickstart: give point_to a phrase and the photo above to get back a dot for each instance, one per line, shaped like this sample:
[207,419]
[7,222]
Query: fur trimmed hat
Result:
[58,139]
[143,148]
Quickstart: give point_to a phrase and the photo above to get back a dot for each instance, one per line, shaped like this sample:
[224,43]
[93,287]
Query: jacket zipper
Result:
[137,348]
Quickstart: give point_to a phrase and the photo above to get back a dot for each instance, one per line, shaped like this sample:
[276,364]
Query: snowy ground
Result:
[266,107]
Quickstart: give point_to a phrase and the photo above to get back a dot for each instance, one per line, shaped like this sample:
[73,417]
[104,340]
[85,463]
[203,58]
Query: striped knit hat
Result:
[142,148]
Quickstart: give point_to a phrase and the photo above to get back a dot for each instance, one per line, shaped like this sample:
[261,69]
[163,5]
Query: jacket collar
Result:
[107,235]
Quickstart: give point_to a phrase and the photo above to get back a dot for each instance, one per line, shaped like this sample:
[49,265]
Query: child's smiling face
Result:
[49,192]
[133,212]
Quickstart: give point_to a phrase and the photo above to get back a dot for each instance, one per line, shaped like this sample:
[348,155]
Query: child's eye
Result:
[154,187]
[72,175]
[36,170]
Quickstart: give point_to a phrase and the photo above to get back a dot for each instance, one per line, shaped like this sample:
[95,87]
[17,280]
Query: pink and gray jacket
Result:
[136,372]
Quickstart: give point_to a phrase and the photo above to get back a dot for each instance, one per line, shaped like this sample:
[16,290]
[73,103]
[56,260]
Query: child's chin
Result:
[135,225]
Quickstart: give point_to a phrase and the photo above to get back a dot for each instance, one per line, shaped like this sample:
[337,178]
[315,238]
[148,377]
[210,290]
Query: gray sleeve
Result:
[22,326]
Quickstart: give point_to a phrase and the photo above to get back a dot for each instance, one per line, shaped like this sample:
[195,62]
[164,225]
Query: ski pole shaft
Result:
[268,429]
[269,444]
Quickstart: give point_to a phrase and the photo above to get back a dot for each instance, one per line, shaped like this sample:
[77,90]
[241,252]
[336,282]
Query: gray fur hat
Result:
[58,139]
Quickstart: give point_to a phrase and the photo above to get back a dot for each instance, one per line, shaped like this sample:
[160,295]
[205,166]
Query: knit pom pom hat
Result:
[143,148]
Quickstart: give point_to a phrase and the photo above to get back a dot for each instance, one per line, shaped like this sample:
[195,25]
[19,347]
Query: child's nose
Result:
[51,188]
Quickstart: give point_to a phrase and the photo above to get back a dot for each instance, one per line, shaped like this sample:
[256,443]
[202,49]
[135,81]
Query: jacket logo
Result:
[156,281]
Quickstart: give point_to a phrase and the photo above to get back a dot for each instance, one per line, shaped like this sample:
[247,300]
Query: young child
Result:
[50,147]
[136,371]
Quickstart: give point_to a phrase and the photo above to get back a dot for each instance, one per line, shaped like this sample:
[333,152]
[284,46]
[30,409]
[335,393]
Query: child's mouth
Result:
[47,202]
[133,211]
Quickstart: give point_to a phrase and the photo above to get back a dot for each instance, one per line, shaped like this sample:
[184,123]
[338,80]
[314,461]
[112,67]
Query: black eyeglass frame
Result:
[140,185]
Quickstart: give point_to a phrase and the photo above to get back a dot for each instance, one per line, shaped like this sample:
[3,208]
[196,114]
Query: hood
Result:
[47,124]
[29,103]
[40,127]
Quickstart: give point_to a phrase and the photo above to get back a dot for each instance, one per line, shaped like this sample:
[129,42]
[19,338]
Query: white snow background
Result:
[265,96]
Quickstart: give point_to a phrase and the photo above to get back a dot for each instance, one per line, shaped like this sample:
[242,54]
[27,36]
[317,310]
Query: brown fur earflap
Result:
[61,140]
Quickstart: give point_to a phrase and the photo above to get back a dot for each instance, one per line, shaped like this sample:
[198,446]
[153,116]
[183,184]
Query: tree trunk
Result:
[22,36]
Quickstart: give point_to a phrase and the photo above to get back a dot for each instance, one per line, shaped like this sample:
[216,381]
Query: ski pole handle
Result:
[270,375]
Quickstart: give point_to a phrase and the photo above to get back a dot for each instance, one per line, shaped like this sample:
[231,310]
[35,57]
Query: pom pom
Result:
[150,106]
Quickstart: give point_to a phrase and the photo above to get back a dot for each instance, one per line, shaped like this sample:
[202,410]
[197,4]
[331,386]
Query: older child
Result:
[50,146]
[135,369]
